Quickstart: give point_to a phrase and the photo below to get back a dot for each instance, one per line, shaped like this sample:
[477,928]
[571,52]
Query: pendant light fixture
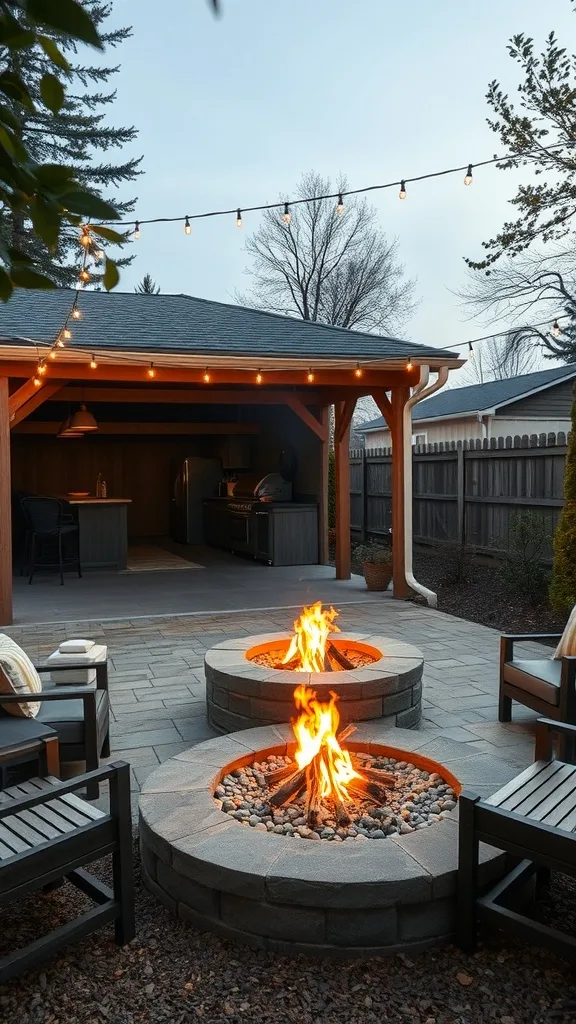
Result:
[65,429]
[83,420]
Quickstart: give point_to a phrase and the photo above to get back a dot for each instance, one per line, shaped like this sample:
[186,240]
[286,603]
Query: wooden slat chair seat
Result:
[533,818]
[46,833]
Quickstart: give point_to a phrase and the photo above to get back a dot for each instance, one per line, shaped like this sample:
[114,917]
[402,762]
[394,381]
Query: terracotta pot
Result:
[377,576]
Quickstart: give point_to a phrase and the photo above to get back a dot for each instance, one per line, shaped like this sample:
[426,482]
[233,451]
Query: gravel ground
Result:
[172,974]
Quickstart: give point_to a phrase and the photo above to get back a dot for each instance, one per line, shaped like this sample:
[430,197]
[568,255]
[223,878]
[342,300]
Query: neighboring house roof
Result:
[126,321]
[482,398]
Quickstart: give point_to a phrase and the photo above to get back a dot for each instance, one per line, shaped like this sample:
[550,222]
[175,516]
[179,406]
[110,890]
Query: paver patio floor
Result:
[157,686]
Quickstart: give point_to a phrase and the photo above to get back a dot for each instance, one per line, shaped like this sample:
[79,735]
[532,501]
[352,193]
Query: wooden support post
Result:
[400,588]
[460,495]
[323,524]
[364,525]
[5,509]
[343,418]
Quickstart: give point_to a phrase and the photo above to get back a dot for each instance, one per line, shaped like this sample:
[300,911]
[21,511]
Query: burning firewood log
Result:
[290,790]
[381,777]
[340,659]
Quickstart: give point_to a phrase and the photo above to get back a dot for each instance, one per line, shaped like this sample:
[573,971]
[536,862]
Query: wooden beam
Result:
[323,546]
[185,396]
[306,416]
[5,509]
[399,399]
[24,394]
[134,429]
[61,370]
[41,396]
[384,404]
[343,418]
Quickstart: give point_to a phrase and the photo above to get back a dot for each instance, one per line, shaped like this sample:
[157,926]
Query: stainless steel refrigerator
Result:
[193,480]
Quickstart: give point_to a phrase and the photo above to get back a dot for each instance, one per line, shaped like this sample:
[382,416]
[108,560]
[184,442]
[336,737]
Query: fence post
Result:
[364,532]
[460,494]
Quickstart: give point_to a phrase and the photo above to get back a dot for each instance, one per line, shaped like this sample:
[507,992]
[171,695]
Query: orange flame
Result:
[311,632]
[316,730]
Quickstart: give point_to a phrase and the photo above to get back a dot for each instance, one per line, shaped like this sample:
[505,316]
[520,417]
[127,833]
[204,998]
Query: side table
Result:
[22,739]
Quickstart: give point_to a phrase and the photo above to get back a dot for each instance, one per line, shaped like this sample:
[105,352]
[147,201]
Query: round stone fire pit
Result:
[242,692]
[322,898]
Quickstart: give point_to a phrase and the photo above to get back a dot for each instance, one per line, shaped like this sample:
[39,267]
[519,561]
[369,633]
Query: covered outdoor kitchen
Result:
[196,421]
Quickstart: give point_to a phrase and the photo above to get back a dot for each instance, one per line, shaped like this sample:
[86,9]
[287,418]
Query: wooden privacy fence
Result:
[464,493]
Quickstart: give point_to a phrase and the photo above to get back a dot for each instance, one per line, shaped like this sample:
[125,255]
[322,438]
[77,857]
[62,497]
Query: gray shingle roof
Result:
[164,323]
[480,397]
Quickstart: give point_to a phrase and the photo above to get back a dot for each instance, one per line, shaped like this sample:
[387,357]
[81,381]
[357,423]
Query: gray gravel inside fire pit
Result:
[418,799]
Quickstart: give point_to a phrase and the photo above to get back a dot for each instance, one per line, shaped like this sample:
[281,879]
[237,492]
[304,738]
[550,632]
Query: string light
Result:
[66,334]
[468,178]
[52,354]
[93,363]
[358,371]
[310,376]
[151,371]
[556,330]
[470,351]
[85,238]
[286,216]
[340,207]
[206,377]
[259,377]
[37,382]
[41,368]
[238,218]
[84,275]
[137,230]
[187,228]
[402,193]
[59,342]
[77,313]
[409,364]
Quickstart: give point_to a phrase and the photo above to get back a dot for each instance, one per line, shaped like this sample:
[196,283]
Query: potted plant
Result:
[376,561]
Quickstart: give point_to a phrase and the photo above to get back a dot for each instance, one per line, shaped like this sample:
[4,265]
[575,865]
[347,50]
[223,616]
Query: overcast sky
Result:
[232,110]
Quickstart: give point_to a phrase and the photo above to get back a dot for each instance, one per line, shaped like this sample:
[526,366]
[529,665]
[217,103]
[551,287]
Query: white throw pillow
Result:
[18,675]
[567,645]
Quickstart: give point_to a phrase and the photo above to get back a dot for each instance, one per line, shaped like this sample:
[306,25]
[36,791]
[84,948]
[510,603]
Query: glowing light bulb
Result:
[468,178]
[52,354]
[93,363]
[358,371]
[41,368]
[238,218]
[77,313]
[409,364]
[259,377]
[85,238]
[206,377]
[310,376]
[340,207]
[402,193]
[84,275]
[59,342]
[556,330]
[187,228]
[137,230]
[151,371]
[37,382]
[67,334]
[286,216]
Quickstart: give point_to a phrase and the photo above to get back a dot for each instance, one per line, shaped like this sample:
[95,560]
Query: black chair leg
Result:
[106,746]
[504,706]
[122,866]
[32,557]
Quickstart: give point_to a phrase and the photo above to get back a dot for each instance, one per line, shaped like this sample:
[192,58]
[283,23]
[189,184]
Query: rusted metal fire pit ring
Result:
[326,899]
[241,694]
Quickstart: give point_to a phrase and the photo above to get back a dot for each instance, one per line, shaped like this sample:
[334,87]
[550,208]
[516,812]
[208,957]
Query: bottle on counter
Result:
[103,491]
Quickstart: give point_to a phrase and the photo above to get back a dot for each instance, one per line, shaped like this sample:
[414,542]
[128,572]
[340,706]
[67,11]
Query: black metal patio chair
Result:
[51,530]
[47,833]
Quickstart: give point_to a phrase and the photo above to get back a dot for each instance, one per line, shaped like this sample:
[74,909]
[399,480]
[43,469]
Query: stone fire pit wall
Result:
[241,694]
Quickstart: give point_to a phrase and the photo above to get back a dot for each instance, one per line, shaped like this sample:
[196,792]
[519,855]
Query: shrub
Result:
[563,587]
[524,573]
[375,554]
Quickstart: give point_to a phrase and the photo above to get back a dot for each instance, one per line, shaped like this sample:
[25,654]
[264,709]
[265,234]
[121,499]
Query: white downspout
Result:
[420,391]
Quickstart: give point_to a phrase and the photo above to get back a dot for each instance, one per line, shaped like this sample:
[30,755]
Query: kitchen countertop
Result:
[96,501]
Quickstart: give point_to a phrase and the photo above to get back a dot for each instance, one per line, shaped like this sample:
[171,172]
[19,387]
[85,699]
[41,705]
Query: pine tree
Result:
[78,135]
[563,588]
[147,286]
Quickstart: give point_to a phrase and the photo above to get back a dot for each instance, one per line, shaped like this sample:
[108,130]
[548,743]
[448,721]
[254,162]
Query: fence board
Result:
[465,493]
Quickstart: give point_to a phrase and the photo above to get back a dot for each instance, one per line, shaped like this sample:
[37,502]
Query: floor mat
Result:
[152,559]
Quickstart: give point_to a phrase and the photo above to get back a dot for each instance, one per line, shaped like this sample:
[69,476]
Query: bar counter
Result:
[103,530]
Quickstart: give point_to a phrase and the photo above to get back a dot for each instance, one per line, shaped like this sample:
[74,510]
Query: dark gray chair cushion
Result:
[541,678]
[67,717]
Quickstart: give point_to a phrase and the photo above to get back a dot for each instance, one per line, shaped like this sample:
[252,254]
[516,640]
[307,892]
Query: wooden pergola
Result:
[309,384]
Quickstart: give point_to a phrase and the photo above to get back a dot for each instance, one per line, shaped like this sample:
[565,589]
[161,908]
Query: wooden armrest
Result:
[544,729]
[61,788]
